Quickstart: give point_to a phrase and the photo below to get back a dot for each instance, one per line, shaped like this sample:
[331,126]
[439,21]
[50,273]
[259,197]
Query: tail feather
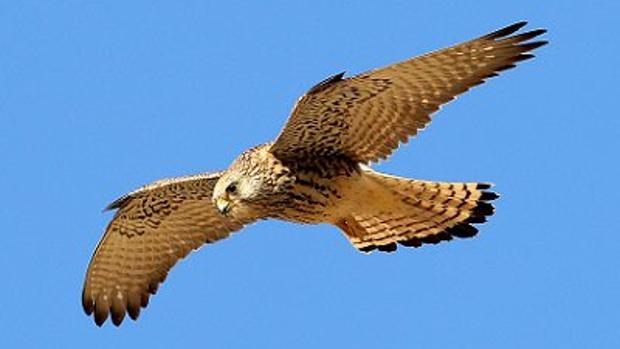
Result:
[420,212]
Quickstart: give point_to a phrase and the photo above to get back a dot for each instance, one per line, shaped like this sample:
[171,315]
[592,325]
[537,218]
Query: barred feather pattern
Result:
[154,227]
[367,116]
[423,212]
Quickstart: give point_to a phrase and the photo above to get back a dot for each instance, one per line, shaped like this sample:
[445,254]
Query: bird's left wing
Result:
[154,227]
[365,117]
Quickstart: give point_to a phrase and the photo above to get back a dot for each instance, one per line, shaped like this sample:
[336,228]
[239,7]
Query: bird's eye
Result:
[231,188]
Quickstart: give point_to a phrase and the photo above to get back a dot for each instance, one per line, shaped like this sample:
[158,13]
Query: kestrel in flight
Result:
[314,172]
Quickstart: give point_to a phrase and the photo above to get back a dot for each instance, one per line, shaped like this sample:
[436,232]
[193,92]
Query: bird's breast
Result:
[317,192]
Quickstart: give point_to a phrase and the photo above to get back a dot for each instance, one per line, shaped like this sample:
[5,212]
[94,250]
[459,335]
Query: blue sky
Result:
[99,98]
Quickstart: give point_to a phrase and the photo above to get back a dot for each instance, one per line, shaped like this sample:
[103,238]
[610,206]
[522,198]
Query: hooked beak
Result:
[223,205]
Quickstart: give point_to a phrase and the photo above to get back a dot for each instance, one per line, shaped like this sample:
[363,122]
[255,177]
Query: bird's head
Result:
[247,187]
[234,192]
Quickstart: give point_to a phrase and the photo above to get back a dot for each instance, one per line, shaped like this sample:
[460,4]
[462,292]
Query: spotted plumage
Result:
[316,171]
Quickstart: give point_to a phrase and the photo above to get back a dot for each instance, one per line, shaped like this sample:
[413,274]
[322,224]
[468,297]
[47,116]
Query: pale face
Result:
[251,186]
[233,192]
[240,190]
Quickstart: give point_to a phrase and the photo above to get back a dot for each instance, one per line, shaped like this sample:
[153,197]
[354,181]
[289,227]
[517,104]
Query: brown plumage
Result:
[314,172]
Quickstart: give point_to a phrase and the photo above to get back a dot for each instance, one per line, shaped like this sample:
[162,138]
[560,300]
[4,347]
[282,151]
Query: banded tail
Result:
[413,212]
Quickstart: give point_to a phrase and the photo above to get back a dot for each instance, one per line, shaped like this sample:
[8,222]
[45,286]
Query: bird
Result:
[317,170]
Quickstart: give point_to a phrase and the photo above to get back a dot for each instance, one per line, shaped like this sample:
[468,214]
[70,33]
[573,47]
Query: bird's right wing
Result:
[154,227]
[366,117]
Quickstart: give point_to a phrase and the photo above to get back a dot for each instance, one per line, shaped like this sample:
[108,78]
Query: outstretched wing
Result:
[154,227]
[366,117]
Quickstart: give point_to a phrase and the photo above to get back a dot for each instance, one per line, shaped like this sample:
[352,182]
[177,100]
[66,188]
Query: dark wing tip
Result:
[500,33]
[117,317]
[116,311]
[101,315]
[505,32]
[531,34]
[87,303]
[134,312]
[532,45]
[134,305]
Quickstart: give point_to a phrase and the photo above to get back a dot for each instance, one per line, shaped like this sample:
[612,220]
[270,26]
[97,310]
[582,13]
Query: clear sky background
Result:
[98,99]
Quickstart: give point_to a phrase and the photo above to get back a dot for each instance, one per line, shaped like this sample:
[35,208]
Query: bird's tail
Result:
[412,212]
